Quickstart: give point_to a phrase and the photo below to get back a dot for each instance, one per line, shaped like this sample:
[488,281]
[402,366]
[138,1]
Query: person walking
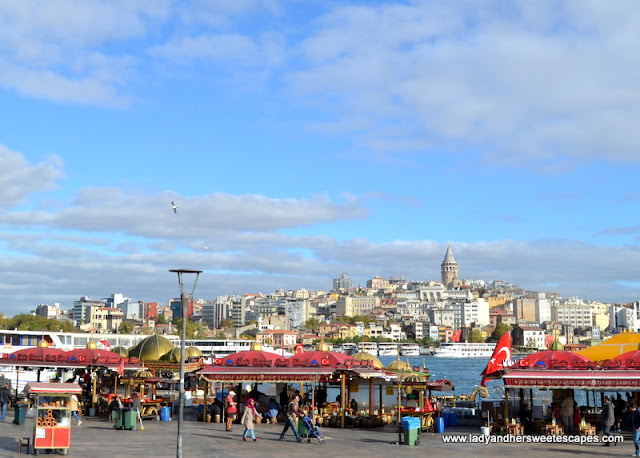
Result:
[231,407]
[633,419]
[248,419]
[567,409]
[5,399]
[607,419]
[293,413]
[136,406]
[73,406]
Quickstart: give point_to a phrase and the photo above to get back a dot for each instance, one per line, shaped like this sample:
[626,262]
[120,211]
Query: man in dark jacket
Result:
[607,419]
[5,399]
[633,419]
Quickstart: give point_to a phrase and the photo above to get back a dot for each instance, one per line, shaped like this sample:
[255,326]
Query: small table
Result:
[553,430]
[587,430]
[516,430]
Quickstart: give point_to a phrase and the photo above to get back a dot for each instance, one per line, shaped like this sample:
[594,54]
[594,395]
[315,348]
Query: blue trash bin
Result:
[453,419]
[165,413]
[445,418]
[438,425]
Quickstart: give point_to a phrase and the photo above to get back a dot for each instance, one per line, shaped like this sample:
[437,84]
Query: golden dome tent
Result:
[364,356]
[152,348]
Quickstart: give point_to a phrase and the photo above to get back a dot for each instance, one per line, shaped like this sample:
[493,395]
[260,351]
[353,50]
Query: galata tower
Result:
[449,268]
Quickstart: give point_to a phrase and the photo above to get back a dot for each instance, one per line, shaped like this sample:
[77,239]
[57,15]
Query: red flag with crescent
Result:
[120,369]
[501,353]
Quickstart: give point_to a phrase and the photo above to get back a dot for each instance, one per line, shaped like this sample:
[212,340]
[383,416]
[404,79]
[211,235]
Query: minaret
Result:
[449,267]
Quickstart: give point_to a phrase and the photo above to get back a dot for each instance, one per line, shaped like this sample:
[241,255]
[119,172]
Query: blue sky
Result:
[302,139]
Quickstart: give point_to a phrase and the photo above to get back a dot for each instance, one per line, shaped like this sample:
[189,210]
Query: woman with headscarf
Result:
[248,419]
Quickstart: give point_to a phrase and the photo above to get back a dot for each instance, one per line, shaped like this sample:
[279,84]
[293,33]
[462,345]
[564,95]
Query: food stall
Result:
[52,419]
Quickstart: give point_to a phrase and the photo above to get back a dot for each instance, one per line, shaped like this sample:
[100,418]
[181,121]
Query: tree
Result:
[500,330]
[161,319]
[312,324]
[475,336]
[226,323]
[125,327]
[193,330]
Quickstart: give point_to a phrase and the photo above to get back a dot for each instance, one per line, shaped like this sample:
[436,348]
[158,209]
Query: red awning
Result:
[556,359]
[320,358]
[628,360]
[584,380]
[95,357]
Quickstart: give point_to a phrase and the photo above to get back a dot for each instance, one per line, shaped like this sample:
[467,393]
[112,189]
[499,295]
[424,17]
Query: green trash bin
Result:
[129,419]
[118,418]
[411,436]
[21,413]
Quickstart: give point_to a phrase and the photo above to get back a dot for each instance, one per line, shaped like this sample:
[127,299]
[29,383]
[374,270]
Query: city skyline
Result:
[299,140]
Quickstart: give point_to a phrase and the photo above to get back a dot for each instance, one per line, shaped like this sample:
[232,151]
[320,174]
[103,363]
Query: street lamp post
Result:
[184,301]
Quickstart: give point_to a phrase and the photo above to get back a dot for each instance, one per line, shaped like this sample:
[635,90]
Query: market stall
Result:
[52,419]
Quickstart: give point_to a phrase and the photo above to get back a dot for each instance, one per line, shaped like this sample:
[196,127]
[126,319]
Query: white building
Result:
[576,315]
[475,311]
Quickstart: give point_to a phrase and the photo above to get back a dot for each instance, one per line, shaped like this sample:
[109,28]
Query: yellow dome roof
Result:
[152,348]
[92,345]
[556,346]
[398,365]
[256,346]
[192,352]
[364,356]
[43,343]
[173,355]
[322,346]
[121,351]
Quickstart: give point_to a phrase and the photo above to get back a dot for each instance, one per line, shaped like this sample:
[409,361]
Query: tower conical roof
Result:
[448,257]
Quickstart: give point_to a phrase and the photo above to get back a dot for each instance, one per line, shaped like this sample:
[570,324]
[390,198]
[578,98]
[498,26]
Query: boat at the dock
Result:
[387,349]
[465,350]
[409,349]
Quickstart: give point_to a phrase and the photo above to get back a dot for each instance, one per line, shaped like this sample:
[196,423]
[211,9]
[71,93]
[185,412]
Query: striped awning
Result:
[628,380]
[263,374]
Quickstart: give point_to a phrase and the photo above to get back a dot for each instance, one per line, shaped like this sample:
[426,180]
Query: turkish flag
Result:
[120,369]
[501,353]
[218,361]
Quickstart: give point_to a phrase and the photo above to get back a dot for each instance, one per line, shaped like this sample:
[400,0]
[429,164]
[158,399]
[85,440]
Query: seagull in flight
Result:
[174,206]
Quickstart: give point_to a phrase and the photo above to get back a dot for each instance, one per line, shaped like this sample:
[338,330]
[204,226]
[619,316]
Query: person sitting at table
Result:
[271,414]
[353,405]
[525,418]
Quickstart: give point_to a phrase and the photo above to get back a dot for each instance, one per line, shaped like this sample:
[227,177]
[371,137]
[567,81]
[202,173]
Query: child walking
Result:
[248,419]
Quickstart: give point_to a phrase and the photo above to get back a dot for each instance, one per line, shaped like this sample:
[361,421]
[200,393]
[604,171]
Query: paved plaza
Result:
[96,438]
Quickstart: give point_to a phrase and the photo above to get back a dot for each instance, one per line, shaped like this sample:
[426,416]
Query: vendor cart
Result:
[52,419]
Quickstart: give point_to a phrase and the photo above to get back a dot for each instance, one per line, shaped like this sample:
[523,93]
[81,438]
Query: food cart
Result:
[52,419]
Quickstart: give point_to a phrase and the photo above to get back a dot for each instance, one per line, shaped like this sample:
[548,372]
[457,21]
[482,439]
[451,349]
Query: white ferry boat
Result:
[410,349]
[368,347]
[387,349]
[12,340]
[348,348]
[465,350]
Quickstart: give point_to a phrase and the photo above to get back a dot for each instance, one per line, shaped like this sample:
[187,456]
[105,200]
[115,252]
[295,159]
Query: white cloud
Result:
[20,179]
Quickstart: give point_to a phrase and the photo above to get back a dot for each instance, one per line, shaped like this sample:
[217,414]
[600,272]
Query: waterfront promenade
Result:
[96,438]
